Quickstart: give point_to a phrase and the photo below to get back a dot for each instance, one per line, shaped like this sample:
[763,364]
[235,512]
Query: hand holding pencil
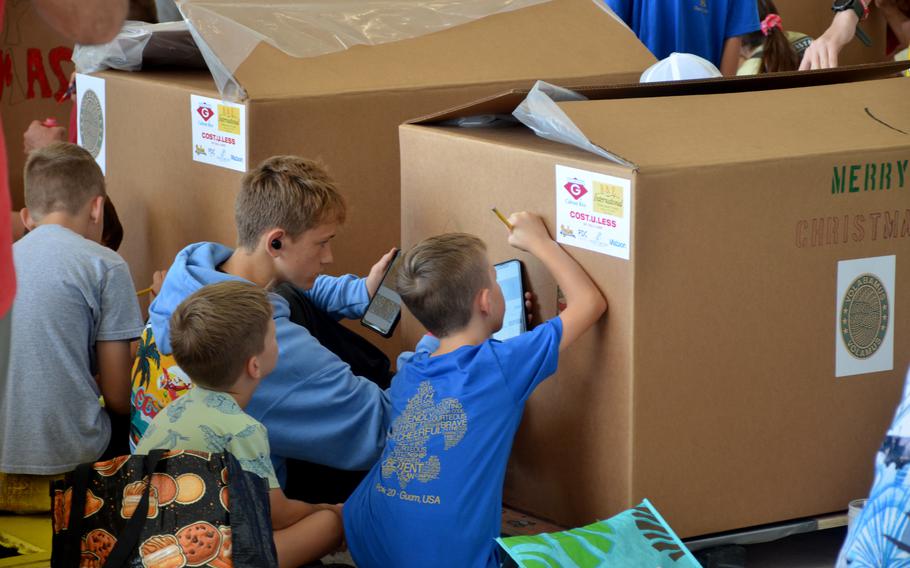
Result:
[503,219]
[157,281]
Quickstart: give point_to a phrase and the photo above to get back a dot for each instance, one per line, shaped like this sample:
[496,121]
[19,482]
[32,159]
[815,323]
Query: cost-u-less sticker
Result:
[219,133]
[594,211]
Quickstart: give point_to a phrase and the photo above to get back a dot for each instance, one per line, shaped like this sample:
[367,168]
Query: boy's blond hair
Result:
[60,177]
[439,279]
[287,192]
[216,330]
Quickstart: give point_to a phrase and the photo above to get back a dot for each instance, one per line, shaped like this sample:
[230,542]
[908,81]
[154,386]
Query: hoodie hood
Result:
[194,267]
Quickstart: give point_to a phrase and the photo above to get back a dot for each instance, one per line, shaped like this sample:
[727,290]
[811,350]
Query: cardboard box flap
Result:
[258,49]
[507,101]
[748,127]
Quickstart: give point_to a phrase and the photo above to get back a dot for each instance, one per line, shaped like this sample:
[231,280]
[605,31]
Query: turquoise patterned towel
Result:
[637,537]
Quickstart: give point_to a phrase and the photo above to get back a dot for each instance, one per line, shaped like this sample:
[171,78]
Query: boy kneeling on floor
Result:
[435,496]
[223,337]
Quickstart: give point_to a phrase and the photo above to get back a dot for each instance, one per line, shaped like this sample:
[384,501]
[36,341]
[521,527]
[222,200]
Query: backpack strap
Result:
[128,539]
[72,548]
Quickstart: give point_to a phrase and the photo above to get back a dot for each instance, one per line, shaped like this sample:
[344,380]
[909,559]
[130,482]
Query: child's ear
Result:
[483,301]
[253,368]
[274,240]
[27,219]
[96,212]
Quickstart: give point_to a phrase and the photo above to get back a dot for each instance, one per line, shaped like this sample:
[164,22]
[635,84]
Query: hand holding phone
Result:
[384,310]
[378,270]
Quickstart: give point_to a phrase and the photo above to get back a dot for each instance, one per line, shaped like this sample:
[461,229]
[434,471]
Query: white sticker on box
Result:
[864,330]
[594,211]
[219,132]
[91,118]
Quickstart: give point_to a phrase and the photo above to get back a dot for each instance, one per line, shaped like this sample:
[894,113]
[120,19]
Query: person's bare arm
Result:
[286,512]
[824,51]
[584,302]
[114,364]
[303,533]
[84,21]
[729,61]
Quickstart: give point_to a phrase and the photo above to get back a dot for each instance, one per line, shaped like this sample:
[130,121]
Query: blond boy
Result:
[74,316]
[223,337]
[435,496]
[315,407]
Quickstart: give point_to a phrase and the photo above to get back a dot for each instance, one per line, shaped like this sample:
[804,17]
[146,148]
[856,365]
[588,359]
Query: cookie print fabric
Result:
[203,510]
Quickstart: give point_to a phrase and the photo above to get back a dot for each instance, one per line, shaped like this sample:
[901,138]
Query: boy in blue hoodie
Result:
[435,496]
[314,407]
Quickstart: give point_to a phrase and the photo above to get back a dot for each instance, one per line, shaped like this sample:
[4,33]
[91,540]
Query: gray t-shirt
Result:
[71,292]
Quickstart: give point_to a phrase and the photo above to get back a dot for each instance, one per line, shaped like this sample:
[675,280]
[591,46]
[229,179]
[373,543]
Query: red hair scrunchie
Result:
[770,22]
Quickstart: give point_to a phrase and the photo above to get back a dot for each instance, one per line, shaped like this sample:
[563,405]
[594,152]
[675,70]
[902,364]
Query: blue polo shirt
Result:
[699,27]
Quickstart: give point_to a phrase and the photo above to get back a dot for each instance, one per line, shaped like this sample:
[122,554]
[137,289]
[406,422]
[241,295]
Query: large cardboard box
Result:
[35,68]
[749,363]
[342,108]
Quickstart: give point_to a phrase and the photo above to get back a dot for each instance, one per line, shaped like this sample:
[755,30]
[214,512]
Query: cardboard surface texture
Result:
[34,72]
[343,109]
[711,387]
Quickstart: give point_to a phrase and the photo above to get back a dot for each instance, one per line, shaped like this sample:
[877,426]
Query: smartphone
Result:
[515,321]
[384,311]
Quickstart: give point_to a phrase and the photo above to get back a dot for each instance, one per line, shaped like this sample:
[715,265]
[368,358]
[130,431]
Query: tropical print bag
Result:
[164,510]
[636,537]
[157,380]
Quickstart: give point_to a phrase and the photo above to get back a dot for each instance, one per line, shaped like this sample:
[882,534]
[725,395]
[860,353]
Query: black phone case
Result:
[392,327]
[379,331]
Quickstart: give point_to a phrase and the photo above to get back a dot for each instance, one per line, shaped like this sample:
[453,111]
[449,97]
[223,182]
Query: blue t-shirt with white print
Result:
[435,496]
[699,27]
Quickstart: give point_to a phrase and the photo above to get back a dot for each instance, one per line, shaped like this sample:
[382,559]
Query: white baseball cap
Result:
[680,66]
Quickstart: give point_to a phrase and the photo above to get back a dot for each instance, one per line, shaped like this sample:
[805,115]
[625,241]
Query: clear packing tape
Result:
[540,113]
[227,31]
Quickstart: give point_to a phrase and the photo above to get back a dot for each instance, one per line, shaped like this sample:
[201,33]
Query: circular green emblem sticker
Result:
[91,123]
[864,316]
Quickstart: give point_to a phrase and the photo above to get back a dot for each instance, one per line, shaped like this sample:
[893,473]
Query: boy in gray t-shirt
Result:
[74,316]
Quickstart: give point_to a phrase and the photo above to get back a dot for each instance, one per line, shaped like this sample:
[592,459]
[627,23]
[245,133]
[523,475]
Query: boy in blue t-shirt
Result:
[712,29]
[436,494]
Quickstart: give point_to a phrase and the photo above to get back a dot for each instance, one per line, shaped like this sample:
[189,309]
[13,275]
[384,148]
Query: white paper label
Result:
[864,330]
[91,118]
[594,211]
[219,132]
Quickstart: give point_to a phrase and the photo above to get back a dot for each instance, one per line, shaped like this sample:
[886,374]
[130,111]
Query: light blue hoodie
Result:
[314,407]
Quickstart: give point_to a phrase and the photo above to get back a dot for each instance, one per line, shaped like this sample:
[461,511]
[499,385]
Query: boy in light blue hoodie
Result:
[314,407]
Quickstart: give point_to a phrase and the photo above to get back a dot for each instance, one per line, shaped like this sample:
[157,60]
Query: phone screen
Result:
[385,308]
[508,275]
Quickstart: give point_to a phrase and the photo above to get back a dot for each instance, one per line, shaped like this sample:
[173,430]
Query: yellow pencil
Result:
[503,218]
[144,291]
